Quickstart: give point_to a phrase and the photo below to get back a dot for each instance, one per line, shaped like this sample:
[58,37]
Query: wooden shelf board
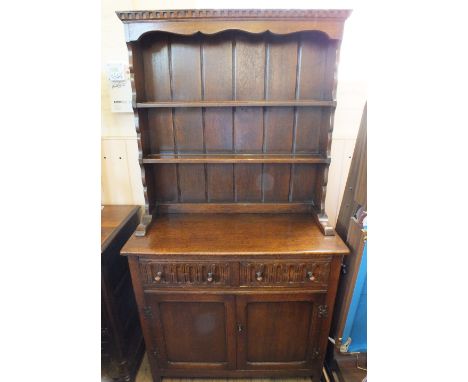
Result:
[236,208]
[235,158]
[239,234]
[236,103]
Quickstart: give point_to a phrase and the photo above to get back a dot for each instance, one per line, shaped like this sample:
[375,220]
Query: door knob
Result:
[259,275]
[310,276]
[210,277]
[158,276]
[239,328]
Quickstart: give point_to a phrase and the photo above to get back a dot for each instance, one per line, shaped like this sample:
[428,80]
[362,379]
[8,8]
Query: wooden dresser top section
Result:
[234,234]
[210,21]
[113,218]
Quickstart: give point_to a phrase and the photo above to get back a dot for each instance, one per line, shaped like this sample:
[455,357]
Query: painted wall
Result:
[121,181]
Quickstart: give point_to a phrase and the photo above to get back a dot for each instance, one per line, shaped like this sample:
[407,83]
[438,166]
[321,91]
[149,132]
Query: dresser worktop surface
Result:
[113,218]
[234,234]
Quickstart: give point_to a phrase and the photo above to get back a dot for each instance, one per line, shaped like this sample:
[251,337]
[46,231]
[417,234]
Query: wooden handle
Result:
[259,275]
[158,276]
[210,277]
[310,276]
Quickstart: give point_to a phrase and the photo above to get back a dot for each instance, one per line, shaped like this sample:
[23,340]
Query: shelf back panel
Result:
[228,183]
[235,65]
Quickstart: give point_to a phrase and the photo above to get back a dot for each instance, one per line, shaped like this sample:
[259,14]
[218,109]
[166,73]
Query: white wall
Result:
[121,181]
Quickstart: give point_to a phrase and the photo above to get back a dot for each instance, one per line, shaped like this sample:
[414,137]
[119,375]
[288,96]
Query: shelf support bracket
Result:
[145,222]
[322,221]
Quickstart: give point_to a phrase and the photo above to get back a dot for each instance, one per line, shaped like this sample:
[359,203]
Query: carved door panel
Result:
[278,331]
[192,331]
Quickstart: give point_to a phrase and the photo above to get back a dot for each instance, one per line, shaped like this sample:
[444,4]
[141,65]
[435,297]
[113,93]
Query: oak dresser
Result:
[234,264]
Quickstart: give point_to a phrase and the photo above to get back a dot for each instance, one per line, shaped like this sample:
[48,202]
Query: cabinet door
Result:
[192,330]
[278,331]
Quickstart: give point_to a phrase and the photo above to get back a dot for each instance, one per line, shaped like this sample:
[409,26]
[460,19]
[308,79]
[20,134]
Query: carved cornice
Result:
[279,14]
[212,21]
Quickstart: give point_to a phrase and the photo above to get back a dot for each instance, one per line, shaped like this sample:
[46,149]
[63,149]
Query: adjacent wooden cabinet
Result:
[122,344]
[234,264]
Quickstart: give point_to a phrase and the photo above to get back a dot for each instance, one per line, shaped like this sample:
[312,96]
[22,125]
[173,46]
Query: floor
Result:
[144,375]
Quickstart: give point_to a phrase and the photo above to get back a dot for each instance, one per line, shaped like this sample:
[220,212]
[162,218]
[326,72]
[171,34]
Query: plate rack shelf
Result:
[230,109]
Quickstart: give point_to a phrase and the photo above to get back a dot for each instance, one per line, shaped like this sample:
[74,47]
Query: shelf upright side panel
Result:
[141,120]
[329,86]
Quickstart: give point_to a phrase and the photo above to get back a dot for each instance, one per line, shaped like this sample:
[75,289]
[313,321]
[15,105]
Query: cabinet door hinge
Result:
[323,311]
[344,268]
[148,313]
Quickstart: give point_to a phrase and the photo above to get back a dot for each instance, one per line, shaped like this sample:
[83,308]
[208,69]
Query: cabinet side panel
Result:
[141,304]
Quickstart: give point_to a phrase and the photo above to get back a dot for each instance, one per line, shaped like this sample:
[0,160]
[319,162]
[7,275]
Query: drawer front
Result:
[313,274]
[186,274]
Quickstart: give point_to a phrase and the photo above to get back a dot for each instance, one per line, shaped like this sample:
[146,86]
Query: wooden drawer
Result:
[183,274]
[285,274]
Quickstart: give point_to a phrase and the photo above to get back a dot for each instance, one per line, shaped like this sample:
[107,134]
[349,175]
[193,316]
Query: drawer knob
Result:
[310,276]
[158,276]
[259,276]
[210,277]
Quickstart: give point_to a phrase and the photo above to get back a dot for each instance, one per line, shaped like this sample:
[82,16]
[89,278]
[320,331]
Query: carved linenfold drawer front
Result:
[165,274]
[295,273]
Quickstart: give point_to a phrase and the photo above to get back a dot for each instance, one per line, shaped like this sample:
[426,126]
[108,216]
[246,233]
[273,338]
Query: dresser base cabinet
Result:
[235,314]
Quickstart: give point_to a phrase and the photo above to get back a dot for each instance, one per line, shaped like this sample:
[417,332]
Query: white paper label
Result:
[120,90]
